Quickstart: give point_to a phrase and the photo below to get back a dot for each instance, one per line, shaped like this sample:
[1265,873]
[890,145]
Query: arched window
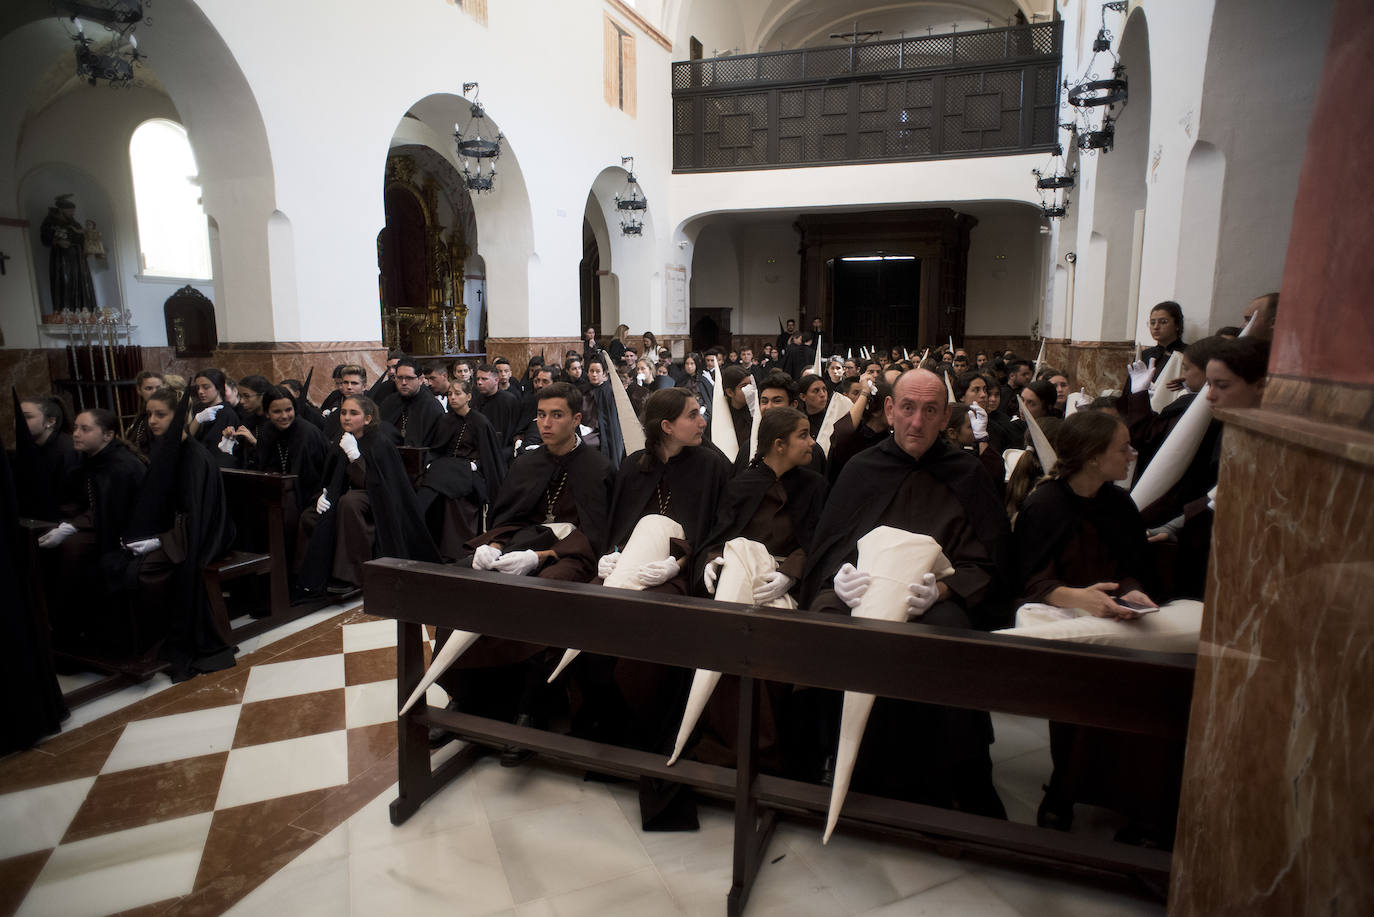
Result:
[173,236]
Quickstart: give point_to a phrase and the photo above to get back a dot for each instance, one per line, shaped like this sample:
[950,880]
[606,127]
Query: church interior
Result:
[970,177]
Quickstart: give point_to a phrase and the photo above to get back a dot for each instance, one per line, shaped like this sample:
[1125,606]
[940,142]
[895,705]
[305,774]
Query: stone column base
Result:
[1097,366]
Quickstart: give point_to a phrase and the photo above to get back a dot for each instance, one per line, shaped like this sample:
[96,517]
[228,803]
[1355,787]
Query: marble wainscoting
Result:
[519,350]
[996,345]
[1093,365]
[279,360]
[1277,797]
[27,371]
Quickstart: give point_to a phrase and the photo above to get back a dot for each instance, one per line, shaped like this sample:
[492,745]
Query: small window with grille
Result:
[620,67]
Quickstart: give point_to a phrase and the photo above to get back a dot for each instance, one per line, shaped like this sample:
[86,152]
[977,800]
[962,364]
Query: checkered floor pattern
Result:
[185,801]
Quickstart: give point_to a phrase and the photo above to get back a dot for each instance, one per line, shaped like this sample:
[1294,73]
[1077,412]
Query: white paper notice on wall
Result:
[677,295]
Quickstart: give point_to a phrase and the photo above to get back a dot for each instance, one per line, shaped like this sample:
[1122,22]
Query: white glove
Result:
[322,504]
[227,445]
[1212,499]
[516,563]
[921,596]
[145,546]
[485,556]
[349,444]
[639,377]
[207,415]
[751,396]
[850,585]
[774,586]
[872,387]
[978,422]
[1141,375]
[713,574]
[55,537]
[606,565]
[657,572]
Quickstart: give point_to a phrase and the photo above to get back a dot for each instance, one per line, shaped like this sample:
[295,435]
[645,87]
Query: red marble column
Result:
[1277,814]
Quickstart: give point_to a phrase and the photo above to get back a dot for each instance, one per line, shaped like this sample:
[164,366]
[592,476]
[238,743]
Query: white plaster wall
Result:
[769,275]
[329,147]
[1005,273]
[715,280]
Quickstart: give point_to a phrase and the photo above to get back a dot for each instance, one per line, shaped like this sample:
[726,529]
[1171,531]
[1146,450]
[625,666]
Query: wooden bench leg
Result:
[412,736]
[753,826]
[214,590]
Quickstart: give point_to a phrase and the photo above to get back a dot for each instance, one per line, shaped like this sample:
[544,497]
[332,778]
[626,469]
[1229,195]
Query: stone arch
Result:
[631,258]
[1199,233]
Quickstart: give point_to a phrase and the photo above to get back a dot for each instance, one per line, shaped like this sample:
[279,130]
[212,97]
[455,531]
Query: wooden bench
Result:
[1151,694]
[269,492]
[415,459]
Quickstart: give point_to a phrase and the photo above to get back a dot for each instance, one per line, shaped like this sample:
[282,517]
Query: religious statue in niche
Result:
[69,276]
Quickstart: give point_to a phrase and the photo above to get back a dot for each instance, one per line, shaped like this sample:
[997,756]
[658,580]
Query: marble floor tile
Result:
[368,745]
[785,888]
[143,795]
[169,738]
[1016,735]
[671,849]
[290,717]
[36,819]
[291,628]
[508,791]
[16,878]
[564,848]
[260,772]
[455,872]
[863,872]
[370,665]
[455,806]
[329,643]
[304,888]
[119,871]
[639,894]
[69,683]
[371,703]
[299,676]
[1033,892]
[370,635]
[110,703]
[1019,781]
[965,896]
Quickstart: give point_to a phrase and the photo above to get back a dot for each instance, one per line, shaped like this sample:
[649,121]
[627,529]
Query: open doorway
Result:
[876,299]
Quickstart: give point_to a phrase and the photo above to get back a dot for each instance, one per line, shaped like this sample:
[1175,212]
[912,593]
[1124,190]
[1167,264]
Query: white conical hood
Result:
[894,559]
[456,644]
[838,407]
[631,430]
[1163,396]
[949,387]
[1043,450]
[722,427]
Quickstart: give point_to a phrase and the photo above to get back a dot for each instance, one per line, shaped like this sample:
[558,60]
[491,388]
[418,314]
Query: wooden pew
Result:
[415,459]
[1150,694]
[268,491]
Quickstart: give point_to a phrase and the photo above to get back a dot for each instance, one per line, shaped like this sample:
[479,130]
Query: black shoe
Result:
[514,755]
[340,587]
[828,771]
[438,735]
[1142,834]
[302,596]
[1054,813]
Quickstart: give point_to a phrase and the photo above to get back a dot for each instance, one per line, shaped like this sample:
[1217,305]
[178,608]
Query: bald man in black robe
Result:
[916,481]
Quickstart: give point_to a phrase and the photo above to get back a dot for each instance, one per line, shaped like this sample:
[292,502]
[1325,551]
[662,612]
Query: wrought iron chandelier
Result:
[115,58]
[1092,95]
[631,203]
[1053,184]
[480,150]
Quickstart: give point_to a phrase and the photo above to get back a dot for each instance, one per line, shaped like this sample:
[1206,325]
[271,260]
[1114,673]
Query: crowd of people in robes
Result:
[712,475]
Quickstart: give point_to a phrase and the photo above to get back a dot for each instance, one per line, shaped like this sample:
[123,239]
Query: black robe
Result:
[43,473]
[105,491]
[300,449]
[503,411]
[695,478]
[977,544]
[465,440]
[744,425]
[33,705]
[400,528]
[520,502]
[805,498]
[600,414]
[417,418]
[210,434]
[1160,354]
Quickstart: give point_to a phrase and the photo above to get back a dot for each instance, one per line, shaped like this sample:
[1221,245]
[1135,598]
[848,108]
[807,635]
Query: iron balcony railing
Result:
[988,92]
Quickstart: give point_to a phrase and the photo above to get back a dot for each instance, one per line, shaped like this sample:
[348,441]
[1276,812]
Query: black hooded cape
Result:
[503,410]
[107,484]
[521,498]
[300,449]
[611,440]
[696,479]
[417,418]
[805,501]
[33,705]
[863,493]
[41,473]
[451,475]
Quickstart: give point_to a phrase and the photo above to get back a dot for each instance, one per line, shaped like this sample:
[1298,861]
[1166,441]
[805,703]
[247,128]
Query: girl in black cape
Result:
[44,456]
[465,477]
[776,501]
[600,414]
[99,506]
[212,415]
[289,444]
[1081,544]
[240,441]
[180,524]
[366,509]
[673,476]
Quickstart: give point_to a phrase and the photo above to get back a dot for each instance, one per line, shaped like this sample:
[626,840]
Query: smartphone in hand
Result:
[1135,606]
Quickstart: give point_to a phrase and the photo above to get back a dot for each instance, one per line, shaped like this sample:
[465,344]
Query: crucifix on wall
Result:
[854,36]
[3,258]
